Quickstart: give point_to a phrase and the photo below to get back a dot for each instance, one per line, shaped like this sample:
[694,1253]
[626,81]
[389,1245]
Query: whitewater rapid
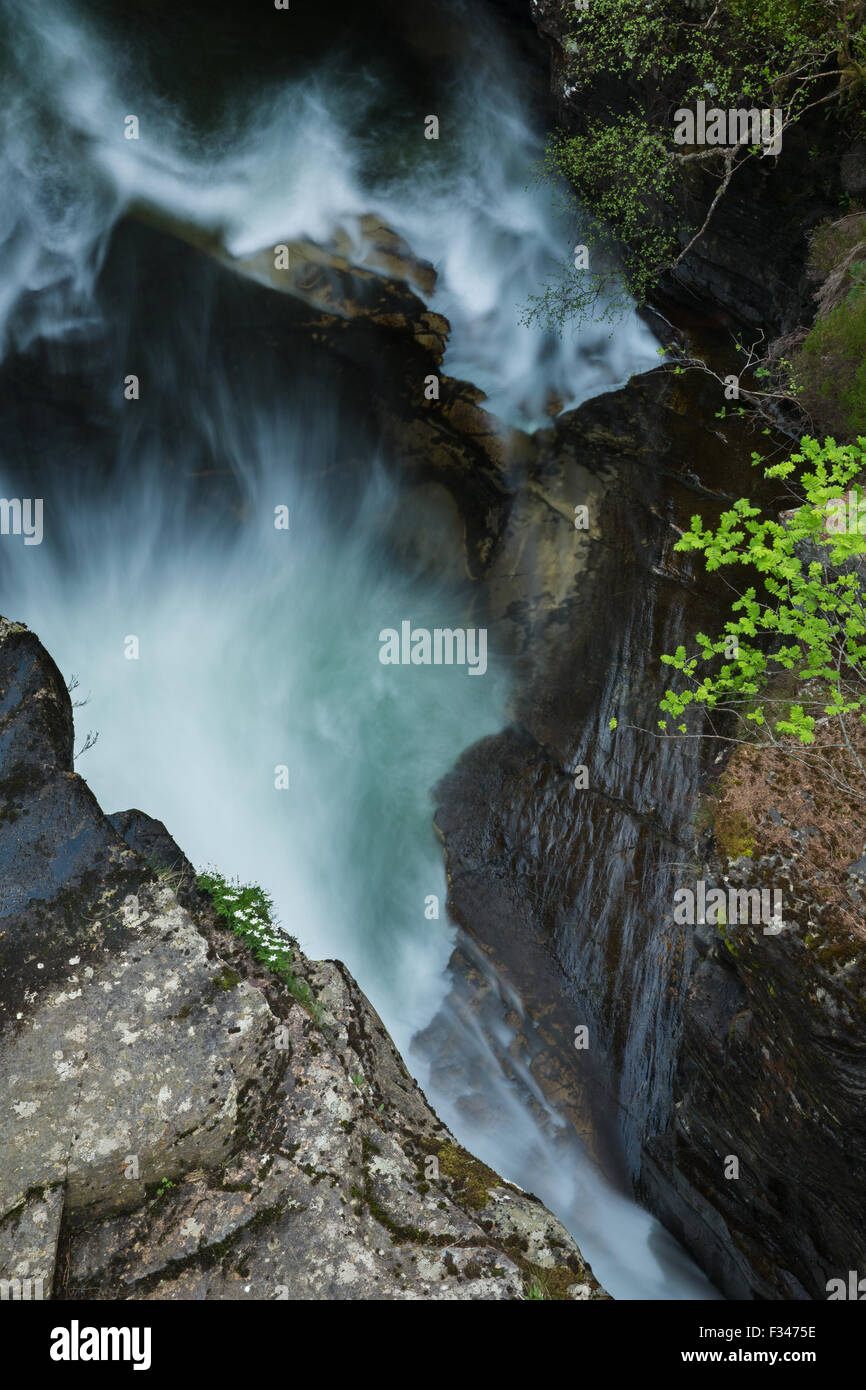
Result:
[259,648]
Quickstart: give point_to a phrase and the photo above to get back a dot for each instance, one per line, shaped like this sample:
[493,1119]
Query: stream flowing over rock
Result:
[178,1121]
[175,1124]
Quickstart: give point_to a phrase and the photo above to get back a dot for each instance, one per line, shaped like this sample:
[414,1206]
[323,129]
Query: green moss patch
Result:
[472,1179]
[830,367]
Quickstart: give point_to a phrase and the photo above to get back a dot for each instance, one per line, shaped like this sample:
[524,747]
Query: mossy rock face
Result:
[472,1179]
[777,18]
[734,835]
[552,1285]
[830,367]
[227,979]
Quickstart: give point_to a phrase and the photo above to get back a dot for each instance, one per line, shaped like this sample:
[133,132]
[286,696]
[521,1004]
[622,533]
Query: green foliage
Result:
[799,615]
[788,22]
[739,47]
[248,912]
[625,167]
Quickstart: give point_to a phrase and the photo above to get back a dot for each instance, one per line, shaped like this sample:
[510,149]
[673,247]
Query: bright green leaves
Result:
[801,615]
[798,725]
[620,172]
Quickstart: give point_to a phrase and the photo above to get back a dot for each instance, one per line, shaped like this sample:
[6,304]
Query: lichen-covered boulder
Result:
[179,1123]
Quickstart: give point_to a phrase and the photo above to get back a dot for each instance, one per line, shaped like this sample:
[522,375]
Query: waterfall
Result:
[258,648]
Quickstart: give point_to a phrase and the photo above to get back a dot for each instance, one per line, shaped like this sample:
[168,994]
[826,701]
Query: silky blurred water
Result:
[258,648]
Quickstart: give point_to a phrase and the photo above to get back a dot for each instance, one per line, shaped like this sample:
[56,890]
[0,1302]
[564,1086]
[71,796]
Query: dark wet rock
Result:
[57,853]
[853,168]
[357,304]
[35,716]
[772,1070]
[150,839]
[562,887]
[176,1124]
[701,1047]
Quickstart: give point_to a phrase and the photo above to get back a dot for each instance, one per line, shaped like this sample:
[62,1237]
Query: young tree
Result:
[789,667]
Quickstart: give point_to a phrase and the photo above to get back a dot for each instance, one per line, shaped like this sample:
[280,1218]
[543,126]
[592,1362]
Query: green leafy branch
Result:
[799,615]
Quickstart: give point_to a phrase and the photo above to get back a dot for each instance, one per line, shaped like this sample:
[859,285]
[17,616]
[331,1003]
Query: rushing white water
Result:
[259,648]
[299,160]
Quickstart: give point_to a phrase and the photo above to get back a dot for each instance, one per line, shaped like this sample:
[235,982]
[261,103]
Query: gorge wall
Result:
[769,1066]
[135,1026]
